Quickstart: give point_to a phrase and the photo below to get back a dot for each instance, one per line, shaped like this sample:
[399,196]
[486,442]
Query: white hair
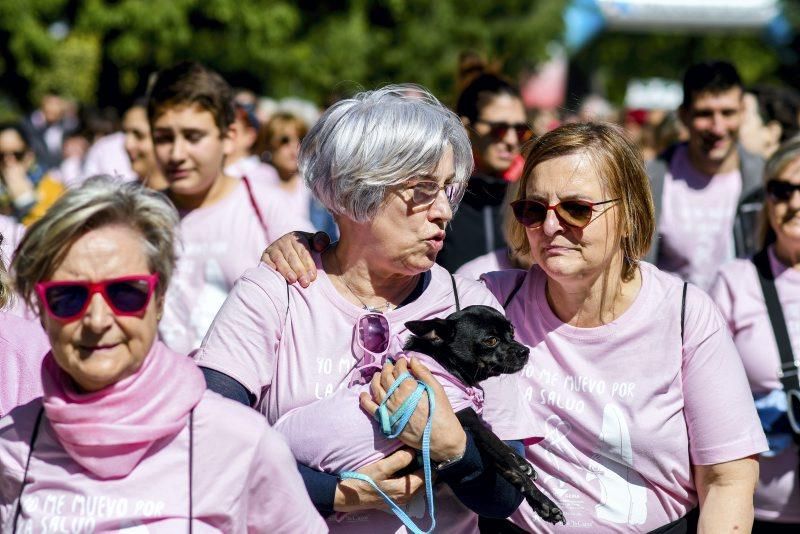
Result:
[379,139]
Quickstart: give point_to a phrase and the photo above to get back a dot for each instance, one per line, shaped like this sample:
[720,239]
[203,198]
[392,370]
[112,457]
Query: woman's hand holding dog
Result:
[353,495]
[448,439]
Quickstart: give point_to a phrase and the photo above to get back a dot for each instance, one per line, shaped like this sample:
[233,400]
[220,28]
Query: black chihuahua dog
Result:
[474,344]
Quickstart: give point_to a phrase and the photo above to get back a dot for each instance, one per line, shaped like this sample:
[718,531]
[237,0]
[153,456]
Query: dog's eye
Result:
[491,341]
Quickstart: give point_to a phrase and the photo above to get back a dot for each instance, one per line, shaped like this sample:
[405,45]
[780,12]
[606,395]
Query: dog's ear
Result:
[436,330]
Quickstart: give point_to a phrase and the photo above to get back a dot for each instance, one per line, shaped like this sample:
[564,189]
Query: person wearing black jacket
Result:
[491,110]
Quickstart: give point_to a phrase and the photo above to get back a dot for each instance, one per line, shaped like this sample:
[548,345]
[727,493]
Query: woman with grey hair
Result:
[390,165]
[112,419]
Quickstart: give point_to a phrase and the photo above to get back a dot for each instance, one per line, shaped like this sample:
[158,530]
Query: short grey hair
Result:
[378,139]
[101,201]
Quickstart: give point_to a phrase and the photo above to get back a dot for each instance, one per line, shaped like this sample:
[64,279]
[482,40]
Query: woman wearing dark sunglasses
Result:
[491,110]
[279,145]
[752,295]
[125,434]
[646,406]
[26,190]
[391,165]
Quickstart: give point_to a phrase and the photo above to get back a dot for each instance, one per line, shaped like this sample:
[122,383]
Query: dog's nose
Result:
[523,351]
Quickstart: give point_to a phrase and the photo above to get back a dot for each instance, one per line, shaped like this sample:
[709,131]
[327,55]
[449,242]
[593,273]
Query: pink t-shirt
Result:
[254,169]
[297,201]
[497,260]
[737,292]
[627,412]
[244,479]
[335,434]
[106,156]
[696,226]
[219,243]
[294,359]
[23,345]
[12,233]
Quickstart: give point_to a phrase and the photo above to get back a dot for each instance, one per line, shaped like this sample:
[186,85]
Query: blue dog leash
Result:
[392,424]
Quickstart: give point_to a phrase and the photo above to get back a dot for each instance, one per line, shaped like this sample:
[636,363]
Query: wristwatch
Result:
[444,464]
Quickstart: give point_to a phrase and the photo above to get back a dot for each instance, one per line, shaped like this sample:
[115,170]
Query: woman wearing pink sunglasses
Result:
[125,434]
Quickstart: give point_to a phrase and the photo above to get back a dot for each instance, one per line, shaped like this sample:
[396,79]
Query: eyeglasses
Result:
[499,130]
[372,339]
[18,155]
[373,333]
[575,213]
[68,300]
[781,191]
[424,192]
[285,140]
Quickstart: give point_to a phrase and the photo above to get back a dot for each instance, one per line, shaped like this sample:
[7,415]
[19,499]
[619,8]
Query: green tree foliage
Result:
[277,47]
[617,57]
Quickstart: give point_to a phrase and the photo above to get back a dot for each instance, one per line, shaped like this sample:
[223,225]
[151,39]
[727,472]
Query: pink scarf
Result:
[109,431]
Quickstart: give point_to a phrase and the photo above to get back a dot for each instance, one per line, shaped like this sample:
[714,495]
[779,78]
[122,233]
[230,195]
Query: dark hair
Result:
[709,76]
[778,104]
[190,82]
[20,131]
[480,92]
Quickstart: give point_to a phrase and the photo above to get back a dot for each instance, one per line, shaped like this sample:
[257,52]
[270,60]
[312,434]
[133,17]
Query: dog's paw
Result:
[545,508]
[523,466]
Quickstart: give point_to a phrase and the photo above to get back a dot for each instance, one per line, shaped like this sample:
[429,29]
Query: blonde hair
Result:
[775,165]
[621,170]
[101,201]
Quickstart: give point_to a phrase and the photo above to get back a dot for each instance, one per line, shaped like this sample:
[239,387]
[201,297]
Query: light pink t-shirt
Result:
[244,479]
[627,412]
[12,233]
[334,434]
[696,226]
[23,345]
[738,294]
[497,260]
[218,243]
[106,156]
[293,360]
[254,169]
[297,201]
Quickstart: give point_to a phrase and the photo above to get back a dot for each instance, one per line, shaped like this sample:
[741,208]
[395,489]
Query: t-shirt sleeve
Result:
[242,341]
[277,497]
[722,295]
[507,412]
[718,406]
[502,283]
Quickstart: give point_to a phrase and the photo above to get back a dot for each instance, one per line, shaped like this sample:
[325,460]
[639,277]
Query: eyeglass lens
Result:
[373,331]
[533,213]
[69,300]
[499,130]
[781,190]
[425,192]
[17,155]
